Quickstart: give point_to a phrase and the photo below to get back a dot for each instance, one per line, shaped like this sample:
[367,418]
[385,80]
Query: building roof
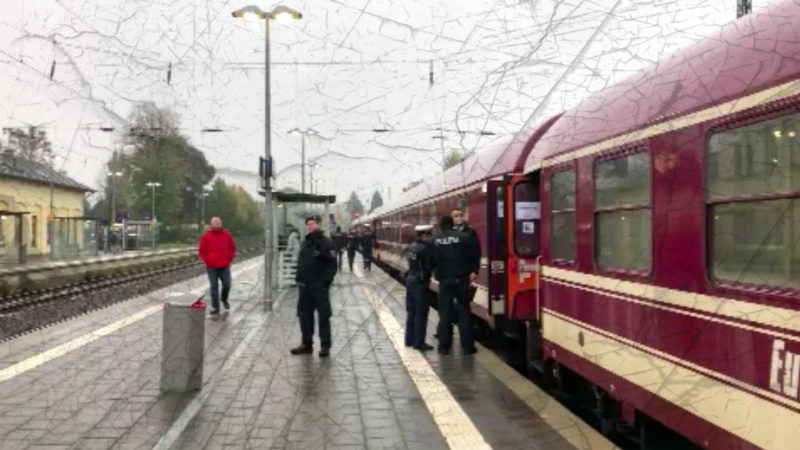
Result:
[15,167]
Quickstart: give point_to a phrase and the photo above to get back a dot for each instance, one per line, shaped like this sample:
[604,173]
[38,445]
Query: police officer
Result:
[419,256]
[460,224]
[456,267]
[352,245]
[338,239]
[367,242]
[316,267]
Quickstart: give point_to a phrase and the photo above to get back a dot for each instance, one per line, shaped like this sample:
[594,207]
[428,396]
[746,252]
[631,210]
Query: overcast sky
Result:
[347,67]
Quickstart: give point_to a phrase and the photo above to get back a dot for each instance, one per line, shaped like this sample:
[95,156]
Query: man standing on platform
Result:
[338,239]
[217,250]
[316,267]
[456,267]
[367,243]
[420,260]
[460,224]
[352,245]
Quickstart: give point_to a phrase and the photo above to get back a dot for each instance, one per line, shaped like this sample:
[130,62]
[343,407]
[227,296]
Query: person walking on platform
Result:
[316,267]
[455,266]
[419,256]
[338,239]
[367,243]
[352,245]
[217,250]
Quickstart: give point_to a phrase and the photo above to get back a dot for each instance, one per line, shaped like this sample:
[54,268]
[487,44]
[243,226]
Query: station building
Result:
[27,189]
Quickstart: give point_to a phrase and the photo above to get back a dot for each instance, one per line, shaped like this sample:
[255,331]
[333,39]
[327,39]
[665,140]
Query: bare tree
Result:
[30,144]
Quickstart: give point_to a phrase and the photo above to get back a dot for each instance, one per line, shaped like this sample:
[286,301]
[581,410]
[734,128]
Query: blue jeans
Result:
[214,275]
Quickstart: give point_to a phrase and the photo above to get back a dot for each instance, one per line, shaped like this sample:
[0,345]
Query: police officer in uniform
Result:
[456,266]
[352,245]
[316,267]
[420,258]
[338,238]
[460,224]
[367,243]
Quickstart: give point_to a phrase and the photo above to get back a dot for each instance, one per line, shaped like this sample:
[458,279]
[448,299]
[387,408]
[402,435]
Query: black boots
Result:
[302,350]
[308,349]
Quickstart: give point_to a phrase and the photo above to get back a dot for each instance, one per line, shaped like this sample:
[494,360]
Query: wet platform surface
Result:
[93,382]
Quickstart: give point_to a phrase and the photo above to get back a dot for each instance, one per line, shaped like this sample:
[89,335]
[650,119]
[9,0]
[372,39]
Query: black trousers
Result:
[314,298]
[417,309]
[457,289]
[214,275]
[339,259]
[368,259]
[351,255]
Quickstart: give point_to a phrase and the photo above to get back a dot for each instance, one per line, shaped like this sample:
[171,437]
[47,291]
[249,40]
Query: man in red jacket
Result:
[217,250]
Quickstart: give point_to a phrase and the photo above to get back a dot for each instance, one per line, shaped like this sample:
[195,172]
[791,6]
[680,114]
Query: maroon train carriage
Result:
[647,249]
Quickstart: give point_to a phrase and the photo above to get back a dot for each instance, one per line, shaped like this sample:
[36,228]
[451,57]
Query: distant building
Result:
[25,196]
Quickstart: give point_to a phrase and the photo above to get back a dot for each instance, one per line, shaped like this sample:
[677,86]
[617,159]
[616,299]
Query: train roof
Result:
[755,52]
[503,155]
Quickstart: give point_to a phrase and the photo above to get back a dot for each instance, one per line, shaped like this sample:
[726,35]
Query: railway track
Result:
[27,311]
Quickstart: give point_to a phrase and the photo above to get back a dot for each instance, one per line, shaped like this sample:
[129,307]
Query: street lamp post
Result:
[311,167]
[303,134]
[281,13]
[113,175]
[153,185]
[203,207]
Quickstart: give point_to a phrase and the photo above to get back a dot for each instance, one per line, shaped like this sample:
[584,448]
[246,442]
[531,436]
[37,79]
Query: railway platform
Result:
[93,382]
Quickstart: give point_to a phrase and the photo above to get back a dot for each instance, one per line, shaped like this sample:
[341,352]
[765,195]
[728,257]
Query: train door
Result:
[523,219]
[496,239]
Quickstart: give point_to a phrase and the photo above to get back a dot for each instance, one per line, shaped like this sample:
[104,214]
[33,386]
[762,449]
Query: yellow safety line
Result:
[49,355]
[454,424]
[560,419]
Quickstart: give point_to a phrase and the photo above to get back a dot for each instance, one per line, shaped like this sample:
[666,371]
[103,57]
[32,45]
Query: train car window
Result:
[526,219]
[562,215]
[622,213]
[753,178]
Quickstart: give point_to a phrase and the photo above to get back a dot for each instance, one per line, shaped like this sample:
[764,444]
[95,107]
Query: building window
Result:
[622,213]
[753,203]
[34,231]
[562,215]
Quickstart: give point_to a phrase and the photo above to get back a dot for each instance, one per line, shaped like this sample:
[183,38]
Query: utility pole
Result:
[743,7]
[153,185]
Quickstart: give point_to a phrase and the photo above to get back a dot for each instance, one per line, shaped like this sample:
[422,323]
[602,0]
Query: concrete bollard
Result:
[183,344]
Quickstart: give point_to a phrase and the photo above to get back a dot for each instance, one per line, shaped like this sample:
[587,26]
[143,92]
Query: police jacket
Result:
[338,241]
[352,243]
[475,246]
[419,255]
[454,255]
[316,264]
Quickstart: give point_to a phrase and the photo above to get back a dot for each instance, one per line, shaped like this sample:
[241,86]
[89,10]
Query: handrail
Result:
[538,289]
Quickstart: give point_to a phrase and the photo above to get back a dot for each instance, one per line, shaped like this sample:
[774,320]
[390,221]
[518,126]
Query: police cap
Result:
[423,229]
[313,217]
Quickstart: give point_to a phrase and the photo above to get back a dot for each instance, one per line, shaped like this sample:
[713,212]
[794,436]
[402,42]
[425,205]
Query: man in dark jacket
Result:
[367,242]
[316,267]
[419,256]
[460,224]
[217,249]
[352,246]
[338,239]
[455,266]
